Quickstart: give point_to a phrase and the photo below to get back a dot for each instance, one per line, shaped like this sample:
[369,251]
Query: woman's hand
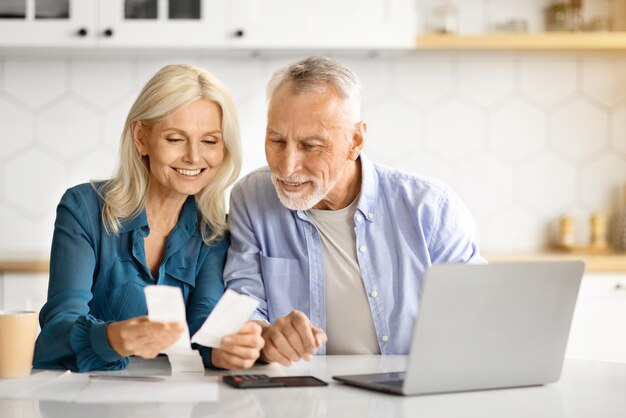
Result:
[142,337]
[240,350]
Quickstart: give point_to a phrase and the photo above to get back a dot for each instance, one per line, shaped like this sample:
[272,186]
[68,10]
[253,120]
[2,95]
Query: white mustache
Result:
[294,179]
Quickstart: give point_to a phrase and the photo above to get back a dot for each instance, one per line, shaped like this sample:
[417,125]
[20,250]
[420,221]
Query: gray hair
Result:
[315,74]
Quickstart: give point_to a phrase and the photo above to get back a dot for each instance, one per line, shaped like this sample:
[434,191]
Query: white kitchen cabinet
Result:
[162,23]
[323,24]
[113,23]
[246,24]
[599,325]
[44,23]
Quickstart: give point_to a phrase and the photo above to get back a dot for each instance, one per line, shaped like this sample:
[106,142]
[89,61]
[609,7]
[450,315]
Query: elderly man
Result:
[333,245]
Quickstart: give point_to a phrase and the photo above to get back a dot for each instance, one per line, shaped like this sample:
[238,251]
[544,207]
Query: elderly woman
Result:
[159,220]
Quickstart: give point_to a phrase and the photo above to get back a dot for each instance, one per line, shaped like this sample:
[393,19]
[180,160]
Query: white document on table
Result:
[230,313]
[166,304]
[112,388]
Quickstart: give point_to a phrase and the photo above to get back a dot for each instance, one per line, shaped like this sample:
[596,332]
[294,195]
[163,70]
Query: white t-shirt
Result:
[349,324]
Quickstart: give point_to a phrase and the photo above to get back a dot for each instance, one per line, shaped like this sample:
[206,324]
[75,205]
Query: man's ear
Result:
[138,131]
[358,140]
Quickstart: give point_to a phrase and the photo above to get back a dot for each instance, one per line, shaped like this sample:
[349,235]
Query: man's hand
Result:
[290,339]
[142,337]
[240,350]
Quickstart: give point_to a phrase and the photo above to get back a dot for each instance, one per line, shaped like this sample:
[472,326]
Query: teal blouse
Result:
[97,278]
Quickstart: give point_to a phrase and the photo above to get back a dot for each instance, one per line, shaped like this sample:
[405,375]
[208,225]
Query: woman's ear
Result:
[358,140]
[138,131]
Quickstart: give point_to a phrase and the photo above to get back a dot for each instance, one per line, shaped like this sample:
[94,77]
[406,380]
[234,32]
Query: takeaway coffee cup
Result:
[18,330]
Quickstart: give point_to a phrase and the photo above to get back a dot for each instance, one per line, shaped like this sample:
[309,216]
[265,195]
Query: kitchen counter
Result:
[586,388]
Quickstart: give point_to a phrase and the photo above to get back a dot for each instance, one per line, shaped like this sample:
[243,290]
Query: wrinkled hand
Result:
[240,350]
[142,337]
[291,338]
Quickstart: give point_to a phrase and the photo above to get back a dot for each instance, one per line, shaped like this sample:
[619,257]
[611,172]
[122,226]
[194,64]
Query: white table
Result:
[586,389]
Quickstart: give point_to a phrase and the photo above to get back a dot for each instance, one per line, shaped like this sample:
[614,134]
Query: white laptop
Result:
[486,326]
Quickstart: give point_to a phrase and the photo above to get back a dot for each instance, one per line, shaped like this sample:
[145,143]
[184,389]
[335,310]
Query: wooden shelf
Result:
[566,41]
[605,263]
[597,263]
[24,266]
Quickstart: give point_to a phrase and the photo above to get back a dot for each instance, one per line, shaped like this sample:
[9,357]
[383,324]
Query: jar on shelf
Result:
[567,238]
[557,16]
[445,17]
[619,239]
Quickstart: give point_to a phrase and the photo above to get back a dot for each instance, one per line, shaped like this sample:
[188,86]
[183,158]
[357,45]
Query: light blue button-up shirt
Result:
[403,224]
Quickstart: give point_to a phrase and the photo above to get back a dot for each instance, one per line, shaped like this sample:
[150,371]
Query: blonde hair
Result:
[171,87]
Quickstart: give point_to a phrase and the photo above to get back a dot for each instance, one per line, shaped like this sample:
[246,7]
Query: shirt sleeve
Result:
[243,268]
[70,338]
[209,288]
[453,235]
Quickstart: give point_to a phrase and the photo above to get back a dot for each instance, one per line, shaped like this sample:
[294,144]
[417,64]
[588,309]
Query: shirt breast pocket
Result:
[286,288]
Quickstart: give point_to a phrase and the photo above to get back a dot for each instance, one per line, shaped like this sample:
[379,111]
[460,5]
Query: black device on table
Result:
[248,381]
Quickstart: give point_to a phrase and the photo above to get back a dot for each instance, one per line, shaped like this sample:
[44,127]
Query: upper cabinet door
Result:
[162,23]
[64,23]
[329,24]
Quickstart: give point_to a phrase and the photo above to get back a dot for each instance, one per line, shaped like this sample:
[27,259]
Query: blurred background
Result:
[519,105]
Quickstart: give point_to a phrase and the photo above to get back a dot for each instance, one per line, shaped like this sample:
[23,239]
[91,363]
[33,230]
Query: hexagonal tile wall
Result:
[557,135]
[252,133]
[67,128]
[423,79]
[92,81]
[517,129]
[113,122]
[486,79]
[18,132]
[548,81]
[486,185]
[514,230]
[602,183]
[454,129]
[374,74]
[578,130]
[394,128]
[422,162]
[31,234]
[37,194]
[547,186]
[240,76]
[26,80]
[97,165]
[601,75]
[618,123]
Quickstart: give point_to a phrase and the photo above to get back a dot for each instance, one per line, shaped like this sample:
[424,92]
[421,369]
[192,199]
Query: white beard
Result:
[302,200]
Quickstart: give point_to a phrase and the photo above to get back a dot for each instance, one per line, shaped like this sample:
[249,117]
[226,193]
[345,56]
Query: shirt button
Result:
[384,338]
[370,216]
[363,248]
[374,293]
[359,218]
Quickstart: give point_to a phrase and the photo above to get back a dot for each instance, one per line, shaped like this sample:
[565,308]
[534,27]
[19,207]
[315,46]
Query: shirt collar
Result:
[369,189]
[188,219]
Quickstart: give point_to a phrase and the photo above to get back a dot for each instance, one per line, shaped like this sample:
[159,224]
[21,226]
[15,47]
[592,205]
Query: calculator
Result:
[249,381]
